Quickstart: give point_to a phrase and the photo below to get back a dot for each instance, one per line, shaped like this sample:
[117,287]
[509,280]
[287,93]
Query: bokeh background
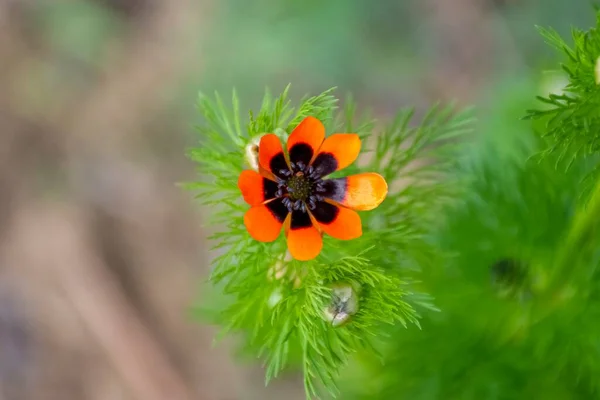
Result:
[101,254]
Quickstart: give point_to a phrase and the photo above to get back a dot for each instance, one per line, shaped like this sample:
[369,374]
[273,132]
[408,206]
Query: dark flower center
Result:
[303,187]
[299,187]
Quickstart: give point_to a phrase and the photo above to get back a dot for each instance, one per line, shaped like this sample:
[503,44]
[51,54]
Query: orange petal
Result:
[270,155]
[264,221]
[255,188]
[305,243]
[305,140]
[303,238]
[337,152]
[360,192]
[339,222]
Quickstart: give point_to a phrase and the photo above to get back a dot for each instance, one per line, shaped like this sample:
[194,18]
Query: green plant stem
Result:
[580,239]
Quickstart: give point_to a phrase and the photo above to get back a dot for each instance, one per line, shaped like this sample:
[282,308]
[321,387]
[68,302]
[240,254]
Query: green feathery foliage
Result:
[570,118]
[276,304]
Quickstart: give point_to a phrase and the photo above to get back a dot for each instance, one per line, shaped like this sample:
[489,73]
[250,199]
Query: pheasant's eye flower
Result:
[289,189]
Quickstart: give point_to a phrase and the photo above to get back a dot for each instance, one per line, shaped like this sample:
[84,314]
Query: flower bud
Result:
[251,152]
[343,304]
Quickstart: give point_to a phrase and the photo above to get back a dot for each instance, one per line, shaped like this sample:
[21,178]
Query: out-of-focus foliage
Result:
[518,291]
[490,340]
[385,49]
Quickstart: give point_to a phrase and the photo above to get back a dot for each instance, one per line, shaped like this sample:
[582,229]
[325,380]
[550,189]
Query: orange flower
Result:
[289,189]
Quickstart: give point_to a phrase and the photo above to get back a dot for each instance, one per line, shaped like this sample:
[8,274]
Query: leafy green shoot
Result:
[571,123]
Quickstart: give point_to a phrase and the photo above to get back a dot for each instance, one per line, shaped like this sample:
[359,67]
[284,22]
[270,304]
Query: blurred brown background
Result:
[101,254]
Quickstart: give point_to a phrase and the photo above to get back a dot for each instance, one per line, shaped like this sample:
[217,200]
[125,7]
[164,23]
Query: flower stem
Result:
[570,266]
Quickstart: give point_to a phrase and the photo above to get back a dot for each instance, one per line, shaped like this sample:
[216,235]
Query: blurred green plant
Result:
[519,295]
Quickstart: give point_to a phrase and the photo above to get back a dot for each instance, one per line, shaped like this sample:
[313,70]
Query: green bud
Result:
[344,304]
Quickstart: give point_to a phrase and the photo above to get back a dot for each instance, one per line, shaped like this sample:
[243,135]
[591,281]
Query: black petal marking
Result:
[270,189]
[279,166]
[325,213]
[278,209]
[324,164]
[334,189]
[301,153]
[300,219]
